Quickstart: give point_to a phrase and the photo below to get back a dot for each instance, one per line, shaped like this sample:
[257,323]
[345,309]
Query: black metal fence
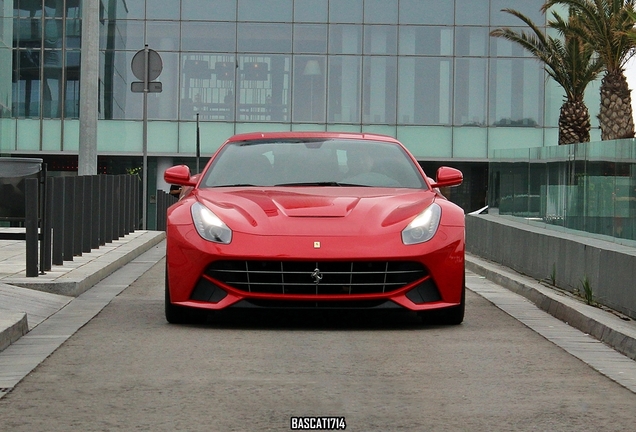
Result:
[77,214]
[164,200]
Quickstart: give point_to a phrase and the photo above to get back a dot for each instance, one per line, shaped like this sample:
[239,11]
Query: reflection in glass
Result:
[424,91]
[516,92]
[471,41]
[207,87]
[310,38]
[263,88]
[163,10]
[265,10]
[419,40]
[210,37]
[470,92]
[380,39]
[264,38]
[427,12]
[309,89]
[466,13]
[379,90]
[345,11]
[344,89]
[381,11]
[162,35]
[310,11]
[209,10]
[345,39]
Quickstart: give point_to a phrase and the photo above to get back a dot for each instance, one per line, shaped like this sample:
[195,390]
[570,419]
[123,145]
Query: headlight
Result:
[423,227]
[209,226]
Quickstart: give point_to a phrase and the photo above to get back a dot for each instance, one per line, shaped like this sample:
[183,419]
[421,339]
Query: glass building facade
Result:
[424,71]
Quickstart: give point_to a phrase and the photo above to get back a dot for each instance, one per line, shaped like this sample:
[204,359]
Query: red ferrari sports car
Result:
[314,220]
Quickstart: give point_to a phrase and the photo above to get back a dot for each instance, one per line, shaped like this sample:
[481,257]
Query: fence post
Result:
[47,223]
[109,206]
[57,212]
[69,218]
[31,225]
[87,210]
[102,209]
[96,212]
[78,215]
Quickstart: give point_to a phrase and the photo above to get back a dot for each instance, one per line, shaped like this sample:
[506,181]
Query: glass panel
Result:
[27,32]
[73,33]
[121,35]
[424,91]
[380,39]
[472,12]
[344,90]
[120,9]
[163,35]
[207,87]
[5,82]
[531,9]
[163,137]
[26,83]
[345,39]
[310,11]
[210,37]
[120,136]
[72,91]
[52,88]
[426,12]
[212,135]
[470,142]
[51,135]
[163,10]
[310,38]
[309,89]
[500,47]
[471,83]
[264,38]
[516,92]
[7,134]
[164,105]
[28,135]
[53,33]
[471,41]
[264,88]
[345,11]
[379,90]
[426,142]
[265,10]
[426,41]
[209,10]
[381,11]
[116,99]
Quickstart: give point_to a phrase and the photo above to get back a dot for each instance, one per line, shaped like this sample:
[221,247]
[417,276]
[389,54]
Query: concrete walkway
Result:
[26,302]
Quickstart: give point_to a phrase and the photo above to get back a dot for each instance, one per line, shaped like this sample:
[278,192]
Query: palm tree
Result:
[570,62]
[607,25]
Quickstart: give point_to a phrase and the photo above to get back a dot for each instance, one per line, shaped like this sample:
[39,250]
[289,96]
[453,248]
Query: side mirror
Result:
[179,175]
[447,176]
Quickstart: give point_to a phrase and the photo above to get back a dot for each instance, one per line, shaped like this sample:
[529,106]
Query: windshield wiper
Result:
[236,185]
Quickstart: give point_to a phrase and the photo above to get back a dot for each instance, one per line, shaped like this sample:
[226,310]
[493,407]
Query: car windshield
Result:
[311,162]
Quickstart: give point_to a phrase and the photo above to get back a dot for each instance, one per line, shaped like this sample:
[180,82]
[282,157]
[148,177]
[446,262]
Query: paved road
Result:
[128,369]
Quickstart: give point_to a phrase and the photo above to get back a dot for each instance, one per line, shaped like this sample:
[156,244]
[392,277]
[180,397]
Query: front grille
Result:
[322,278]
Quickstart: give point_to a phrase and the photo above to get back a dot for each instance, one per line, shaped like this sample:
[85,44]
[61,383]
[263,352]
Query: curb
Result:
[86,276]
[617,332]
[13,325]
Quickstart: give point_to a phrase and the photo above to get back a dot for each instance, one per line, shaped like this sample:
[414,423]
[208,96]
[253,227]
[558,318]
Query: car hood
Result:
[348,211]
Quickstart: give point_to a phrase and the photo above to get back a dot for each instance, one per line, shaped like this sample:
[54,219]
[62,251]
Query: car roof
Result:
[309,135]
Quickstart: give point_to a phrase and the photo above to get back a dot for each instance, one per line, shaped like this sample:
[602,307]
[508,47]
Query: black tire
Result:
[179,314]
